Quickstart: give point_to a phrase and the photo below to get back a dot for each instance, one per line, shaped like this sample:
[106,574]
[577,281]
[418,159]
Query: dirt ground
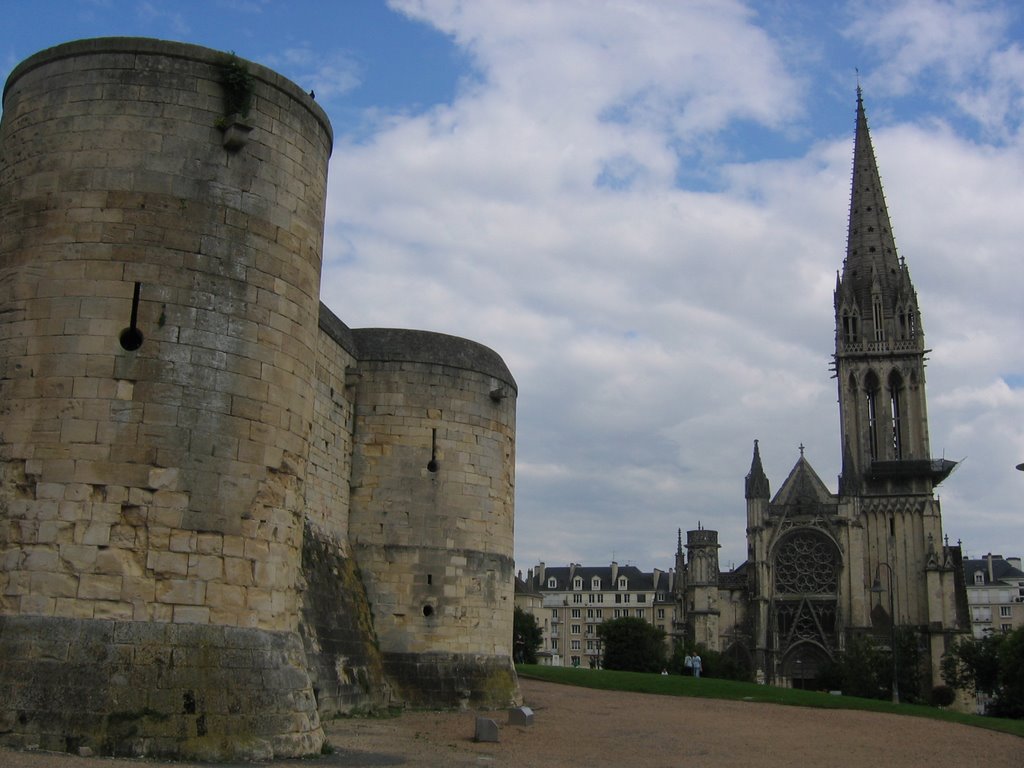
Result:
[580,727]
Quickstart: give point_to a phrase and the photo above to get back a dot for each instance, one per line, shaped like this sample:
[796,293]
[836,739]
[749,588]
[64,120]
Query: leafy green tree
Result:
[973,665]
[721,665]
[675,662]
[911,663]
[1010,699]
[864,669]
[526,636]
[633,645]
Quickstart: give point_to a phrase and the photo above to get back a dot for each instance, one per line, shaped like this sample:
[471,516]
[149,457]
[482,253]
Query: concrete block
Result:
[486,730]
[520,716]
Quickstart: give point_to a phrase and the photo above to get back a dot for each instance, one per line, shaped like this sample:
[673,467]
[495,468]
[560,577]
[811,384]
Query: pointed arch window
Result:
[871,397]
[876,316]
[896,398]
[850,331]
[907,329]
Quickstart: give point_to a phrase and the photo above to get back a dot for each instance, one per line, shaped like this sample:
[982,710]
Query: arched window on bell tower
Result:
[851,332]
[905,315]
[896,401]
[871,396]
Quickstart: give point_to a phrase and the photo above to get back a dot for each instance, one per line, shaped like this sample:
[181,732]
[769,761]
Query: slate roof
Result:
[636,579]
[1002,571]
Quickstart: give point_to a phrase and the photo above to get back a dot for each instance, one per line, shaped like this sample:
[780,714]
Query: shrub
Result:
[942,696]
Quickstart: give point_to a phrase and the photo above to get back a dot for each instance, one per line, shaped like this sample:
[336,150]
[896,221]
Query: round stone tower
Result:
[161,219]
[431,518]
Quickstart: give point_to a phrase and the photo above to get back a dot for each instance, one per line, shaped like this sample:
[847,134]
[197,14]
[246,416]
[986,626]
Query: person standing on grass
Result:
[696,664]
[688,665]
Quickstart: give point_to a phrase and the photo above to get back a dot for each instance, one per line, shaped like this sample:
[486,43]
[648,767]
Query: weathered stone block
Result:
[486,730]
[520,716]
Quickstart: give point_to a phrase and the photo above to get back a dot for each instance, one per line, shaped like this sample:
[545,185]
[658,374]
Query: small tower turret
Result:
[702,585]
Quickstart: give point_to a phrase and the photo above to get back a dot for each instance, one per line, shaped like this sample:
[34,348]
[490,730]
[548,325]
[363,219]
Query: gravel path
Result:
[586,728]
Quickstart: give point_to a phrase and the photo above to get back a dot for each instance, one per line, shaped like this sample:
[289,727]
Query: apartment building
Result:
[995,593]
[576,599]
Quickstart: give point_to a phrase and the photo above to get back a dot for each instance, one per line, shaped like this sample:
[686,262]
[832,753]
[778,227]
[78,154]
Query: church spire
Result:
[879,358]
[875,300]
[873,278]
[757,480]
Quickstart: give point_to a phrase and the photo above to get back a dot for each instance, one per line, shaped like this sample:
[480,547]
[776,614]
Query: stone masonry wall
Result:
[344,661]
[222,512]
[160,295]
[431,515]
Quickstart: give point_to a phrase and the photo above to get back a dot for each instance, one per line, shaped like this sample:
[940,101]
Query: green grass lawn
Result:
[710,688]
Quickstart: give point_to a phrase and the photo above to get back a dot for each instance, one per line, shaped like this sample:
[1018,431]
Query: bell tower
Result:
[886,489]
[880,352]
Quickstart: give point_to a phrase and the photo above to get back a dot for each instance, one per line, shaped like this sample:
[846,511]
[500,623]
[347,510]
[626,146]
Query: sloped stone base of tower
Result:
[451,680]
[342,657]
[183,691]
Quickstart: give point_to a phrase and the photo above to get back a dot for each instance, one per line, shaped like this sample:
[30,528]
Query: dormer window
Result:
[577,583]
[595,583]
[623,582]
[979,578]
[552,583]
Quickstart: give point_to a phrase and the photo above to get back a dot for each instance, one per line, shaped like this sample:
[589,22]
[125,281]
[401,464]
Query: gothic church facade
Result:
[824,567]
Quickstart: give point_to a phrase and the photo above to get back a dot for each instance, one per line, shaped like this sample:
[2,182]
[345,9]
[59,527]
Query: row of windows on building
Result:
[984,613]
[595,584]
[597,614]
[905,316]
[619,598]
[995,595]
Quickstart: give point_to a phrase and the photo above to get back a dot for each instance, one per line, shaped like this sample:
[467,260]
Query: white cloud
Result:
[656,331]
[153,16]
[329,75]
[962,44]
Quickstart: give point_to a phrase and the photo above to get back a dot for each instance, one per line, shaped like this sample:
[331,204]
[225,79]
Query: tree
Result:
[527,636]
[911,662]
[633,645]
[973,665]
[1010,699]
[864,669]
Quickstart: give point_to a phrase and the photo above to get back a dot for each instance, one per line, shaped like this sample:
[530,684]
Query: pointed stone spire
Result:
[849,480]
[874,299]
[757,480]
[870,242]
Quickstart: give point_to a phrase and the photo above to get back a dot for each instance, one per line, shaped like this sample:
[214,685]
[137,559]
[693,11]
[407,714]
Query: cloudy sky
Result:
[642,206]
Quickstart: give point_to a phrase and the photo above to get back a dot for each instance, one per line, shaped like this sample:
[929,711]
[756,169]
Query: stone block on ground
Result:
[520,716]
[486,730]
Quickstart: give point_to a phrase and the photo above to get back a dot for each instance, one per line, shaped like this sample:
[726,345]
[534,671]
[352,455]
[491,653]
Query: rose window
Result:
[806,563]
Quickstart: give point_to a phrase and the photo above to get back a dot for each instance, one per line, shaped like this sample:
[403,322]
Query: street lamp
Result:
[877,587]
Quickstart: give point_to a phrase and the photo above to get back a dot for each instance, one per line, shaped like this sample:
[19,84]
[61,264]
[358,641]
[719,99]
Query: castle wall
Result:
[431,517]
[223,514]
[158,345]
[345,665]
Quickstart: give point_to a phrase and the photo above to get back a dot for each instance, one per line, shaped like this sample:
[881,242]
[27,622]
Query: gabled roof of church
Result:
[803,484]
